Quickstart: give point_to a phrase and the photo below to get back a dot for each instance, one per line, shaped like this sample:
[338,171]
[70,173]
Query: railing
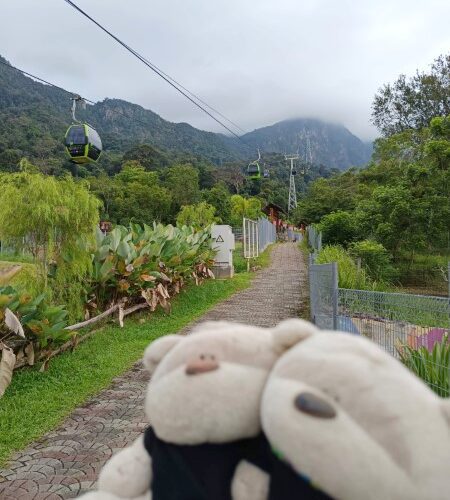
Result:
[250,238]
[314,238]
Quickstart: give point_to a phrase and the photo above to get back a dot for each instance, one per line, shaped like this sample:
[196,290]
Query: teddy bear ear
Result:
[291,331]
[155,352]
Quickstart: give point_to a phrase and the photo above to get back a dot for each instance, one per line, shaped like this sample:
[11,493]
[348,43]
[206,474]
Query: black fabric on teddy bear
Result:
[286,483]
[200,472]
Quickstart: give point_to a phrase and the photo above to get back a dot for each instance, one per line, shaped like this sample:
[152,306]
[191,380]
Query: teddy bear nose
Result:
[313,405]
[202,364]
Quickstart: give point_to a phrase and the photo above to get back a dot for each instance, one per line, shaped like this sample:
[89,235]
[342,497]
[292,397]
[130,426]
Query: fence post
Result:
[335,285]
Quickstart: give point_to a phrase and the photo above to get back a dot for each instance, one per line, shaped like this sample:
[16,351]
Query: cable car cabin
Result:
[266,173]
[294,172]
[253,171]
[83,143]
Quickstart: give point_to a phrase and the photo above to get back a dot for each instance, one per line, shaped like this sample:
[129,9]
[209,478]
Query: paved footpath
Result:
[66,462]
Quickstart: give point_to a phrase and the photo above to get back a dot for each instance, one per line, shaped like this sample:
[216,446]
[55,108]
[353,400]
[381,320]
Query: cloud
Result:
[258,61]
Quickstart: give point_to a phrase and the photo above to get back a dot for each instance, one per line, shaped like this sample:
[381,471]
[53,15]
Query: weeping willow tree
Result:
[54,220]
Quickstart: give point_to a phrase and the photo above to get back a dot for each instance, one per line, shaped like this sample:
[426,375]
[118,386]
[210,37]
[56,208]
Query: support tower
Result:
[292,202]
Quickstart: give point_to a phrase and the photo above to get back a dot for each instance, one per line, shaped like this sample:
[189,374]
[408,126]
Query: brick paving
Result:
[65,462]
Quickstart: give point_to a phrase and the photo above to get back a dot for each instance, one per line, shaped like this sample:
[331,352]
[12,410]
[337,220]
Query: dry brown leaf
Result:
[147,277]
[162,290]
[6,368]
[13,323]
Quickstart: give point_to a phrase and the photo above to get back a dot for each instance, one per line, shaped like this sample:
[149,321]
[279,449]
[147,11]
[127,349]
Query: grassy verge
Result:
[37,402]
[240,262]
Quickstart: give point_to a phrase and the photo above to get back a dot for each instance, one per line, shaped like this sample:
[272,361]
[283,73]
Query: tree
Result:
[147,156]
[244,207]
[137,195]
[55,220]
[232,175]
[220,199]
[199,216]
[182,181]
[412,103]
[338,228]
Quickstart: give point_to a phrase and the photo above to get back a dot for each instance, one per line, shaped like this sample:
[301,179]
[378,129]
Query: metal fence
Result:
[267,233]
[323,282]
[250,238]
[237,231]
[314,238]
[413,328]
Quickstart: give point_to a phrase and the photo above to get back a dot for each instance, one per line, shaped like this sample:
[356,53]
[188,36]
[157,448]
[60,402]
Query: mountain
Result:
[330,144]
[34,118]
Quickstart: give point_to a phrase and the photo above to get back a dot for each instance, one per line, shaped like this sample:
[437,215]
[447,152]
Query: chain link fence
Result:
[412,328]
[314,238]
[323,294]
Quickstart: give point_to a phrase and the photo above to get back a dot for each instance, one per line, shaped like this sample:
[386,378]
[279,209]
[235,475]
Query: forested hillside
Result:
[34,118]
[330,144]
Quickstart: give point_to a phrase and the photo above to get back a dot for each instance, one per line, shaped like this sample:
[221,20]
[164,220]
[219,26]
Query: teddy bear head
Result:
[357,423]
[206,387]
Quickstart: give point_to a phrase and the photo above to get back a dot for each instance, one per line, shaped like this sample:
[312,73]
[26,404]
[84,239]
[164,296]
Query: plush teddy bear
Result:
[203,403]
[349,421]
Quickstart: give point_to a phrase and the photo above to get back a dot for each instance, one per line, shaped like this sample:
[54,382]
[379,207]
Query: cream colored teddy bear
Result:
[203,402]
[349,421]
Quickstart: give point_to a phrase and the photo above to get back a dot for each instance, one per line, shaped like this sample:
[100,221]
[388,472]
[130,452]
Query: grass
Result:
[14,257]
[37,402]
[240,263]
[25,279]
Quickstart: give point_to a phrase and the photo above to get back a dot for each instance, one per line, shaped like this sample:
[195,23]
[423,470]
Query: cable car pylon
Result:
[292,200]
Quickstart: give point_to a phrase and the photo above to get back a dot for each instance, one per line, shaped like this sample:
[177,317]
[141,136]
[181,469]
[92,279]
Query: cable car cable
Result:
[151,66]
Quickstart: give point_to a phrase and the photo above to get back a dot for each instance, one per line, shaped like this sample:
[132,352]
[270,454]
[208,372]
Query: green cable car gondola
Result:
[83,143]
[253,169]
[81,140]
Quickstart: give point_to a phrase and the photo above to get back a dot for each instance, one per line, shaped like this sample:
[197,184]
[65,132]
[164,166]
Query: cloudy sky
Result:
[257,61]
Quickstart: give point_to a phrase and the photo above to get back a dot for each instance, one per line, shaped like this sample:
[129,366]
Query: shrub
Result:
[40,321]
[151,263]
[199,215]
[349,274]
[375,259]
[338,228]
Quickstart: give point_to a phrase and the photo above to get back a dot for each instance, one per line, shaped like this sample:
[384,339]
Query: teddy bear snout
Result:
[313,405]
[203,364]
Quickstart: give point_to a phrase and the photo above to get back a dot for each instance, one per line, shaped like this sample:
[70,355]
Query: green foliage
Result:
[240,262]
[375,259]
[244,207]
[133,195]
[432,367]
[219,197]
[198,216]
[40,321]
[183,183]
[54,219]
[349,274]
[412,103]
[148,262]
[338,228]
